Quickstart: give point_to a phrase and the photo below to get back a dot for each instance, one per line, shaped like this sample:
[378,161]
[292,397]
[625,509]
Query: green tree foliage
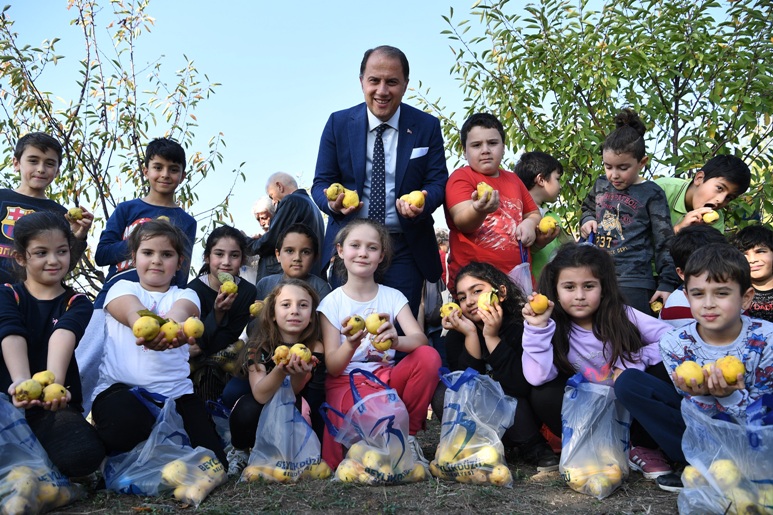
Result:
[119,106]
[556,72]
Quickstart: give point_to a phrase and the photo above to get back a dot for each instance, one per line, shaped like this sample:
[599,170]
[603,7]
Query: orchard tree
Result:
[556,72]
[119,105]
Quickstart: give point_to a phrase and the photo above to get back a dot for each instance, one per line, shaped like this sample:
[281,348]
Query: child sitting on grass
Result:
[717,283]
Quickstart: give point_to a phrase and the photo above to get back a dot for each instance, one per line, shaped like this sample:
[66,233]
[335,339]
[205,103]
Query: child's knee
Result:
[628,382]
[427,358]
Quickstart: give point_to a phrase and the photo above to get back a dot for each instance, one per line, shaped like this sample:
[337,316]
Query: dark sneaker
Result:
[540,455]
[670,482]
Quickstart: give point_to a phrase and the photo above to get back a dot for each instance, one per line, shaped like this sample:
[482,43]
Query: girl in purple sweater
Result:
[587,328]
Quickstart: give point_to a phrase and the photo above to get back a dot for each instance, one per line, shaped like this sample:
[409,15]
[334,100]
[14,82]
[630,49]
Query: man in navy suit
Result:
[414,160]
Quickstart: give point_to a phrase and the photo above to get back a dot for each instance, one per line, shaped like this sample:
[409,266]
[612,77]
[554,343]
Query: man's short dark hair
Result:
[389,51]
[728,167]
[485,120]
[41,141]
[691,238]
[167,148]
[723,263]
[536,164]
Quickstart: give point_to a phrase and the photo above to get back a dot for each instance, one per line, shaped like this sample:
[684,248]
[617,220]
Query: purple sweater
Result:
[586,352]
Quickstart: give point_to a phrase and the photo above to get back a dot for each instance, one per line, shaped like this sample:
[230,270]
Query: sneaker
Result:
[670,482]
[541,456]
[650,462]
[418,454]
[237,460]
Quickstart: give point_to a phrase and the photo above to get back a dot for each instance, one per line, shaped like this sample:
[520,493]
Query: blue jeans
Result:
[656,405]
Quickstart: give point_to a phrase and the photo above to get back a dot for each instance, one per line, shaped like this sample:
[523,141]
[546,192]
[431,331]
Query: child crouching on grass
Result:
[159,365]
[364,253]
[41,323]
[717,283]
[289,317]
[588,328]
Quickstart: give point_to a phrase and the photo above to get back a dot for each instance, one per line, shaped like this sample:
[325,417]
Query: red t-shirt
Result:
[494,241]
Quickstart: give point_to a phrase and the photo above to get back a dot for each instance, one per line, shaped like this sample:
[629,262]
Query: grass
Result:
[532,493]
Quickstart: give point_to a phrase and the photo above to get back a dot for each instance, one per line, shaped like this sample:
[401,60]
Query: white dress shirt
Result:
[390,154]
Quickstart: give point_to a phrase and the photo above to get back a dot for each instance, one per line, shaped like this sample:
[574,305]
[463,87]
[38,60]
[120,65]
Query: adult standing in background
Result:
[263,210]
[293,206]
[384,149]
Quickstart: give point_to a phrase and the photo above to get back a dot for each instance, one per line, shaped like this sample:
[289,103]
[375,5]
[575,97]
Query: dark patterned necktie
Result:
[377,206]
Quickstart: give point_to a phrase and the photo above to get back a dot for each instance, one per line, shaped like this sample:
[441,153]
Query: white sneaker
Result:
[416,452]
[237,460]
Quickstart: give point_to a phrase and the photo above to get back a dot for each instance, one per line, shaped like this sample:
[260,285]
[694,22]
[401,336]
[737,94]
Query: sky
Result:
[284,68]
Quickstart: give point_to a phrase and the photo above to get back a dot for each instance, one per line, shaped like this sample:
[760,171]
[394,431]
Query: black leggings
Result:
[244,420]
[122,421]
[314,393]
[530,413]
[546,400]
[72,444]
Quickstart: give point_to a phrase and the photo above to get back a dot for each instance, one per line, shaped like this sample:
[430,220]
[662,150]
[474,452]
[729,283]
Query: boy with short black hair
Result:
[676,310]
[718,286]
[487,226]
[756,243]
[720,181]
[37,157]
[164,169]
[541,174]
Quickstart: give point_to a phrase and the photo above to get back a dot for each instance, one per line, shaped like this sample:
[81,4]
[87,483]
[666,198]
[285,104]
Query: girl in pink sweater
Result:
[587,328]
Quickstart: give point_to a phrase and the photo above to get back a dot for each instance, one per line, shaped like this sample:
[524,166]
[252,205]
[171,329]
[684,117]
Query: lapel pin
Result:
[408,131]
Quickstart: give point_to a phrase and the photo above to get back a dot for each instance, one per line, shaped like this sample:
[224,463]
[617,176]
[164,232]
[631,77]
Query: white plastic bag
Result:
[286,447]
[165,462]
[375,430]
[731,462]
[595,440]
[521,274]
[476,413]
[29,483]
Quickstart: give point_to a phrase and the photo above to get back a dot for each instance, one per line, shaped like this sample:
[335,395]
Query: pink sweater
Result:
[586,352]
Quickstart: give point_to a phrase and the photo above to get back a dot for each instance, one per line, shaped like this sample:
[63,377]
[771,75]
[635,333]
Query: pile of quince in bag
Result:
[193,483]
[370,465]
[42,387]
[319,470]
[28,490]
[473,461]
[738,494]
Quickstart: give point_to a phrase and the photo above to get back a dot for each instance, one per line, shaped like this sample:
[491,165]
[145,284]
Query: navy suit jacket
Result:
[341,159]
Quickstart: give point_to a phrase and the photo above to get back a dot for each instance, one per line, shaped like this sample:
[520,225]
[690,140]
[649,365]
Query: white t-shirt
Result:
[338,305]
[163,372]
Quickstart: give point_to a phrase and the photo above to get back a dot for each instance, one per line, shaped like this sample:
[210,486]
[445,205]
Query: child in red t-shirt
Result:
[487,228]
